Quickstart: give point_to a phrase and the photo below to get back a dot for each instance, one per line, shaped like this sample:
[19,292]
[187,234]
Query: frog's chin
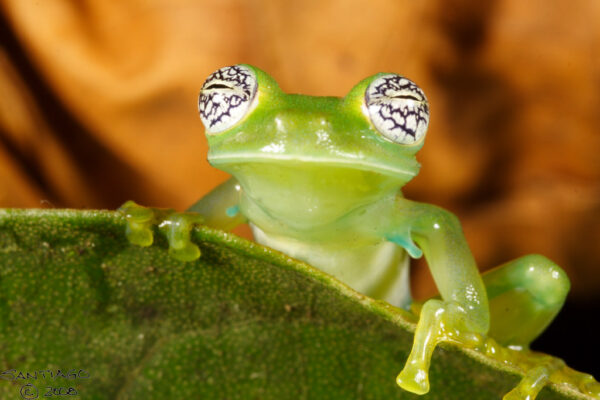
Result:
[403,171]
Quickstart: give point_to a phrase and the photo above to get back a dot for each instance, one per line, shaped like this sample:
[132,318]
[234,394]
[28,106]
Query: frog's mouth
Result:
[403,171]
[307,192]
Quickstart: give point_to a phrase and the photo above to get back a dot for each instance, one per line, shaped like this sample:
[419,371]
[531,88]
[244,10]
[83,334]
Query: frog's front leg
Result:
[218,209]
[462,314]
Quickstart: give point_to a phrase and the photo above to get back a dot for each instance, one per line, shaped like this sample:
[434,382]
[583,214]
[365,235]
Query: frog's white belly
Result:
[378,270]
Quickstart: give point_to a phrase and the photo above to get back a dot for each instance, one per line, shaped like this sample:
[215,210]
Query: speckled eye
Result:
[398,109]
[226,97]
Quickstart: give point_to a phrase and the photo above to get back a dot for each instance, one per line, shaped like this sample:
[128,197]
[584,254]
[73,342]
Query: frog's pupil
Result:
[407,97]
[217,86]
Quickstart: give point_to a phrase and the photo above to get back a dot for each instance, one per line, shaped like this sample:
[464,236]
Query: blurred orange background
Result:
[98,106]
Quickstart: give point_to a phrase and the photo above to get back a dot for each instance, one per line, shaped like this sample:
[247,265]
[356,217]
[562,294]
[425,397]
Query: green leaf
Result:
[242,322]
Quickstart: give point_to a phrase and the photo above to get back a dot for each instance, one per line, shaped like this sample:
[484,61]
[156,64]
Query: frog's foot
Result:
[439,321]
[177,227]
[539,370]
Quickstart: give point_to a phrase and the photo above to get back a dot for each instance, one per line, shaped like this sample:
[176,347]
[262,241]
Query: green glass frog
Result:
[320,178]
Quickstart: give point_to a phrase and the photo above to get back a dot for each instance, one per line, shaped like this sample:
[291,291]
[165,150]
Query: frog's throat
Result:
[406,171]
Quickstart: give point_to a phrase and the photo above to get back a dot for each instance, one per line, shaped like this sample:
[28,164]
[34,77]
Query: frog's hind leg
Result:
[524,297]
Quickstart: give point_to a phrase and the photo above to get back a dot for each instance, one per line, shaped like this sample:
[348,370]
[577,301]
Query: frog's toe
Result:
[178,227]
[413,379]
[140,236]
[591,387]
[189,252]
[139,223]
[532,383]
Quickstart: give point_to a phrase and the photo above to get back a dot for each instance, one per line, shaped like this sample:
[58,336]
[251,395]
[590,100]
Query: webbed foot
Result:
[177,228]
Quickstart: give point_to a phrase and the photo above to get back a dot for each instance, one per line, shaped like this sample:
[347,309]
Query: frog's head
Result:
[326,154]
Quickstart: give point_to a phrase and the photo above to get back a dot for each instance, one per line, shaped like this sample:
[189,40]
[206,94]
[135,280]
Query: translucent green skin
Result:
[317,181]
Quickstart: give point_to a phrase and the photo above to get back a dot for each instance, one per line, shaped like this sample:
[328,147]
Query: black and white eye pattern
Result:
[225,97]
[398,109]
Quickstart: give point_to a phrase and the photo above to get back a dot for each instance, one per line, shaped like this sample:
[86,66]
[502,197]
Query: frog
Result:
[320,179]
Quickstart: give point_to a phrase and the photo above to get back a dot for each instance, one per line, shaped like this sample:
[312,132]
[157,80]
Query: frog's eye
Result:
[398,109]
[226,97]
